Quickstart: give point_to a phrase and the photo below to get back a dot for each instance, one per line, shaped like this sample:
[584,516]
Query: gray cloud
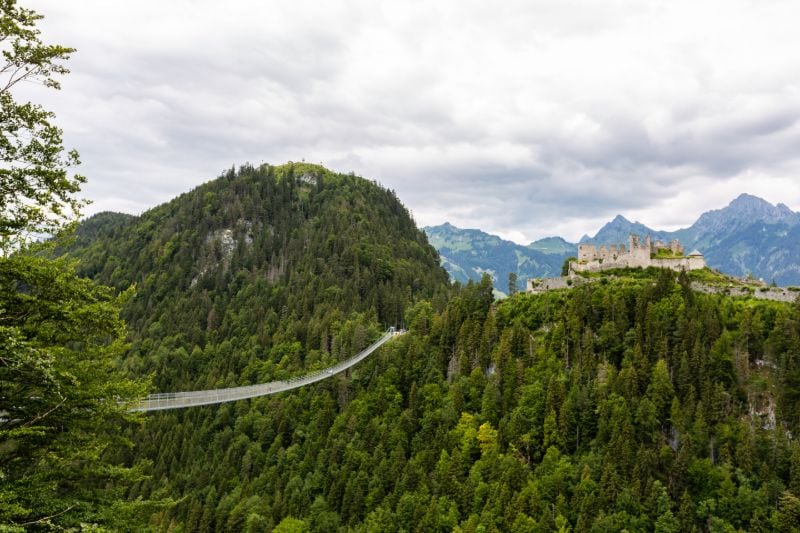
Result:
[528,119]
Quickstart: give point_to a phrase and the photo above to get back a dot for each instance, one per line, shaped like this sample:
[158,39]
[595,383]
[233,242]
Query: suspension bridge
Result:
[178,400]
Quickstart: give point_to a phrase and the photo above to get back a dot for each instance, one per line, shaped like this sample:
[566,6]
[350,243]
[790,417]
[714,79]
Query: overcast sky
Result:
[522,118]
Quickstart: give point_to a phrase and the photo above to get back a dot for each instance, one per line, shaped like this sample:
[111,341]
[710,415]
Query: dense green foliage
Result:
[618,405]
[630,403]
[61,406]
[63,400]
[253,277]
[37,193]
[260,273]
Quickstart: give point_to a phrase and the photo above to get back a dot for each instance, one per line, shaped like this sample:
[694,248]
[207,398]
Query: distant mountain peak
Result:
[553,245]
[745,209]
[748,196]
[620,221]
[749,201]
[468,253]
[618,230]
[749,235]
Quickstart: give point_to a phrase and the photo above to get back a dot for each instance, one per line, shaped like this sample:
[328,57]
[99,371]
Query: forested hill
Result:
[631,403]
[276,256]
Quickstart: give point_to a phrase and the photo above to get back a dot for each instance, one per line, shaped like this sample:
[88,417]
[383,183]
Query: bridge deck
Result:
[177,400]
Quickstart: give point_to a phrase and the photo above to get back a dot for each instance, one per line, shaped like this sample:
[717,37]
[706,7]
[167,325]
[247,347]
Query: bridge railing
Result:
[176,400]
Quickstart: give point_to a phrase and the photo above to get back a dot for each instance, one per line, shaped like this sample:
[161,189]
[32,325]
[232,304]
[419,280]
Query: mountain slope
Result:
[736,217]
[258,275]
[285,254]
[767,251]
[554,246]
[467,253]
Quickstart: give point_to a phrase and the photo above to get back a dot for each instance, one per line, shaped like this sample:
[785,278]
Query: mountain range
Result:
[749,236]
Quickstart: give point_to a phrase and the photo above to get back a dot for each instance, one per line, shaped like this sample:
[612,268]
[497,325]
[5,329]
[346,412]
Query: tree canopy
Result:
[37,191]
[63,401]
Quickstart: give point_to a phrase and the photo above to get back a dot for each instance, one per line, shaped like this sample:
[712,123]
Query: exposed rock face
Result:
[762,410]
[741,212]
[226,242]
[219,246]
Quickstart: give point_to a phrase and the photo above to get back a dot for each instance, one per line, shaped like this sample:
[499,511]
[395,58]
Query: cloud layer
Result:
[525,119]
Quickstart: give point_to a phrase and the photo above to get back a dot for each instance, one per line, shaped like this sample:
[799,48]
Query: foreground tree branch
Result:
[37,191]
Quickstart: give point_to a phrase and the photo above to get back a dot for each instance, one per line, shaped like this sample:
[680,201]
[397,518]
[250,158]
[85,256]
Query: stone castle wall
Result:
[538,286]
[777,294]
[638,254]
[679,263]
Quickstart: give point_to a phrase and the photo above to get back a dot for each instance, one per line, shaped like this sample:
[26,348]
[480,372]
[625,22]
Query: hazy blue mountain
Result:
[767,251]
[618,230]
[554,245]
[468,253]
[749,236]
[721,224]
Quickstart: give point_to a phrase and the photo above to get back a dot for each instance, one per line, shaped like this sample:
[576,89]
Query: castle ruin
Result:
[639,254]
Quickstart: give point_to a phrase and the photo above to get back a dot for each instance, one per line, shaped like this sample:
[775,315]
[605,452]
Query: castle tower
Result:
[639,253]
[696,260]
[587,252]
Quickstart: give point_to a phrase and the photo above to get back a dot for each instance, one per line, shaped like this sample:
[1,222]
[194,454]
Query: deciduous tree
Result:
[37,191]
[63,401]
